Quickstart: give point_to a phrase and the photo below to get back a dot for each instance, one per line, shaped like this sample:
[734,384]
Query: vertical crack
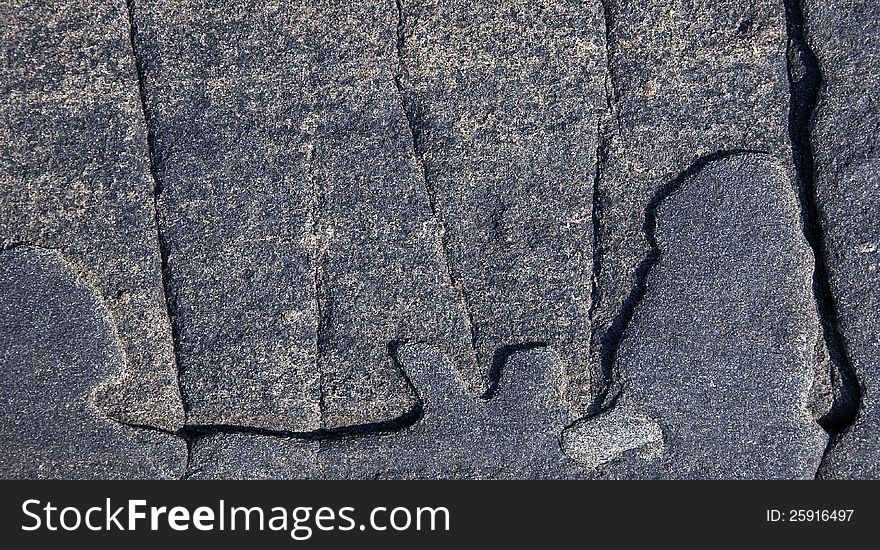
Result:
[611,338]
[806,83]
[164,249]
[611,93]
[323,297]
[430,188]
[605,371]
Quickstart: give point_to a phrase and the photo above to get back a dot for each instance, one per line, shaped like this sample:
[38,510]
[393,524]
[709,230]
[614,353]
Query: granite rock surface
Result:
[439,239]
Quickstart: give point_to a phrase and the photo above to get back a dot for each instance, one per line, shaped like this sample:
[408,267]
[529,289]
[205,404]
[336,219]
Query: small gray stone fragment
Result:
[599,439]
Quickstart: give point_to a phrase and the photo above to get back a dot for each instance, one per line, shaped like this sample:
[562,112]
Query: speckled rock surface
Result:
[74,175]
[300,236]
[504,100]
[57,344]
[439,239]
[845,37]
[252,456]
[685,80]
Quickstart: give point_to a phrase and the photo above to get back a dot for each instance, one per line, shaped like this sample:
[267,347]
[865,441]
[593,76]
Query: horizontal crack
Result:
[164,248]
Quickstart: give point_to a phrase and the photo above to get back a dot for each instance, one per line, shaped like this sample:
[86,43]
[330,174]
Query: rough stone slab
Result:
[373,213]
[74,175]
[57,343]
[300,236]
[720,351]
[515,434]
[249,456]
[845,37]
[504,100]
[686,80]
[230,153]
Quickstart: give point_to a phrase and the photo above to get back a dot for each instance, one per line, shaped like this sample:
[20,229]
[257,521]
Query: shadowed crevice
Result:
[158,188]
[500,358]
[610,340]
[806,84]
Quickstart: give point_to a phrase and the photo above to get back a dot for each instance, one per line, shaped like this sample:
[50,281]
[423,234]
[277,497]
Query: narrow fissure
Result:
[164,248]
[430,189]
[806,83]
[323,300]
[605,369]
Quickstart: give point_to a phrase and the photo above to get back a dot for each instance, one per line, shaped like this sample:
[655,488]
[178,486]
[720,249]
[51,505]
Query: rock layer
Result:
[720,351]
[439,239]
[504,100]
[74,176]
[685,80]
[845,37]
[300,237]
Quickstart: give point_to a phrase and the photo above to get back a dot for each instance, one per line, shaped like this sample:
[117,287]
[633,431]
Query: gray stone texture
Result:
[685,80]
[301,242]
[74,176]
[439,239]
[720,350]
[513,434]
[250,456]
[58,343]
[504,100]
[845,37]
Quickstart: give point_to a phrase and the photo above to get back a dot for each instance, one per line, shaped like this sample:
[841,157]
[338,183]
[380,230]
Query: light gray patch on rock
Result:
[592,442]
[720,350]
[74,175]
[57,343]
